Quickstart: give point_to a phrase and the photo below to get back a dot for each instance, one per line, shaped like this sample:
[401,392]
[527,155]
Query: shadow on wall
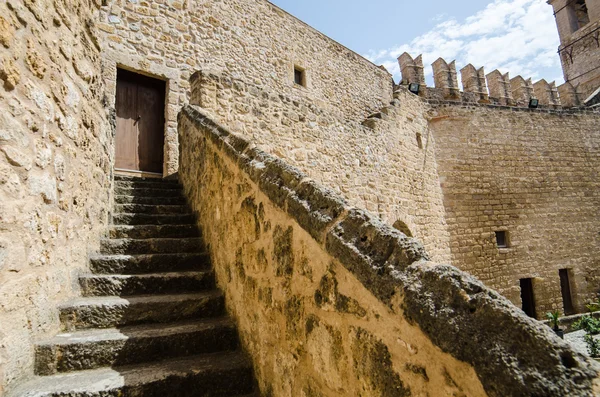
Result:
[151,321]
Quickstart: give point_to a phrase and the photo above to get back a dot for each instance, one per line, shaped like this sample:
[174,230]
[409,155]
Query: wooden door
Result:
[139,139]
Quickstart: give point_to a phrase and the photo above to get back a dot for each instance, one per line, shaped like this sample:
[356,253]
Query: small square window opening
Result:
[502,239]
[299,76]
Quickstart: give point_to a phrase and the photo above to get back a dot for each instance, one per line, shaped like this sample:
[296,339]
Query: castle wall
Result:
[386,164]
[533,174]
[580,60]
[331,301]
[55,168]
[579,49]
[251,40]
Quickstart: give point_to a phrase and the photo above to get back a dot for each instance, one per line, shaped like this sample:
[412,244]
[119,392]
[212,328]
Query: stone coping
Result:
[512,354]
[465,103]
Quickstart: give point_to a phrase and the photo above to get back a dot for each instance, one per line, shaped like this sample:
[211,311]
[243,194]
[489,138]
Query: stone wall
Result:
[55,167]
[579,48]
[385,163]
[331,301]
[249,39]
[533,174]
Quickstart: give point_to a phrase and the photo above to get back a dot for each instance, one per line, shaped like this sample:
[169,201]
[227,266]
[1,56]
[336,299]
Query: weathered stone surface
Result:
[9,74]
[44,185]
[7,32]
[413,308]
[153,283]
[150,246]
[108,312]
[148,231]
[16,157]
[373,251]
[54,191]
[531,178]
[230,374]
[153,219]
[84,350]
[315,208]
[372,361]
[480,327]
[139,264]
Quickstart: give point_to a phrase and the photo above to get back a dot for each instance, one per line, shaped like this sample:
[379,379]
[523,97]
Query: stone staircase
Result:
[150,321]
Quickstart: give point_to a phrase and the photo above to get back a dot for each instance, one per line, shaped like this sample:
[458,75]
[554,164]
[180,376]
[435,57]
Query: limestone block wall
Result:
[385,164]
[580,46]
[55,167]
[331,301]
[533,174]
[249,39]
[579,57]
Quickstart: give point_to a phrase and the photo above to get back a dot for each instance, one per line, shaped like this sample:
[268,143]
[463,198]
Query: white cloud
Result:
[515,36]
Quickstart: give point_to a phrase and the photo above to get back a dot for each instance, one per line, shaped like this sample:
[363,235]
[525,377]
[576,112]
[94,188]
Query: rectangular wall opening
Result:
[502,239]
[565,290]
[299,76]
[527,298]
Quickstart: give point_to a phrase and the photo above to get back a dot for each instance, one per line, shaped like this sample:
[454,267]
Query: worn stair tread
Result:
[128,199]
[151,245]
[153,231]
[141,377]
[149,263]
[127,218]
[155,283]
[164,209]
[132,300]
[143,191]
[137,331]
[147,185]
[115,311]
[145,179]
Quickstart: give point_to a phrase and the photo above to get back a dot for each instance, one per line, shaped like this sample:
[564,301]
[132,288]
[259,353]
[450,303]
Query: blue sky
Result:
[515,36]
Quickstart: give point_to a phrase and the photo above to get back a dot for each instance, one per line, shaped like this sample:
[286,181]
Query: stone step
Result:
[90,349]
[152,209]
[143,284]
[147,185]
[112,311]
[146,192]
[153,231]
[152,219]
[150,200]
[154,263]
[216,375]
[126,178]
[128,246]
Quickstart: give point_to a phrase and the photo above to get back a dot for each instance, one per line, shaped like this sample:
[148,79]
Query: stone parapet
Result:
[495,88]
[360,271]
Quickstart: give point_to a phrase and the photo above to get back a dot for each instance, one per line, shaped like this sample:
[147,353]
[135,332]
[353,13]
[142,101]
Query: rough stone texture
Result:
[579,48]
[387,167]
[527,173]
[55,167]
[438,332]
[225,374]
[247,38]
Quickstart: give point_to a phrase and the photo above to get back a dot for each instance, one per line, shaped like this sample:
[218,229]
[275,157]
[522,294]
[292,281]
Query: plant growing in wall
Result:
[553,317]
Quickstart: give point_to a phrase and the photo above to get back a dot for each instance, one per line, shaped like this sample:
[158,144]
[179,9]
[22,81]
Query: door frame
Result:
[122,171]
[111,62]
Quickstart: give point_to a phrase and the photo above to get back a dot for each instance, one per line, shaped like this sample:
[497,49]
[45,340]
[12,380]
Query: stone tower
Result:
[578,24]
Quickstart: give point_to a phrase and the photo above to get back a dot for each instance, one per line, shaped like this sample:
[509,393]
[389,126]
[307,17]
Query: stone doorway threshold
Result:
[143,174]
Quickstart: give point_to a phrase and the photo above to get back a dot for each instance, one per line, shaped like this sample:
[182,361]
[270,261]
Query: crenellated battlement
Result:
[492,88]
